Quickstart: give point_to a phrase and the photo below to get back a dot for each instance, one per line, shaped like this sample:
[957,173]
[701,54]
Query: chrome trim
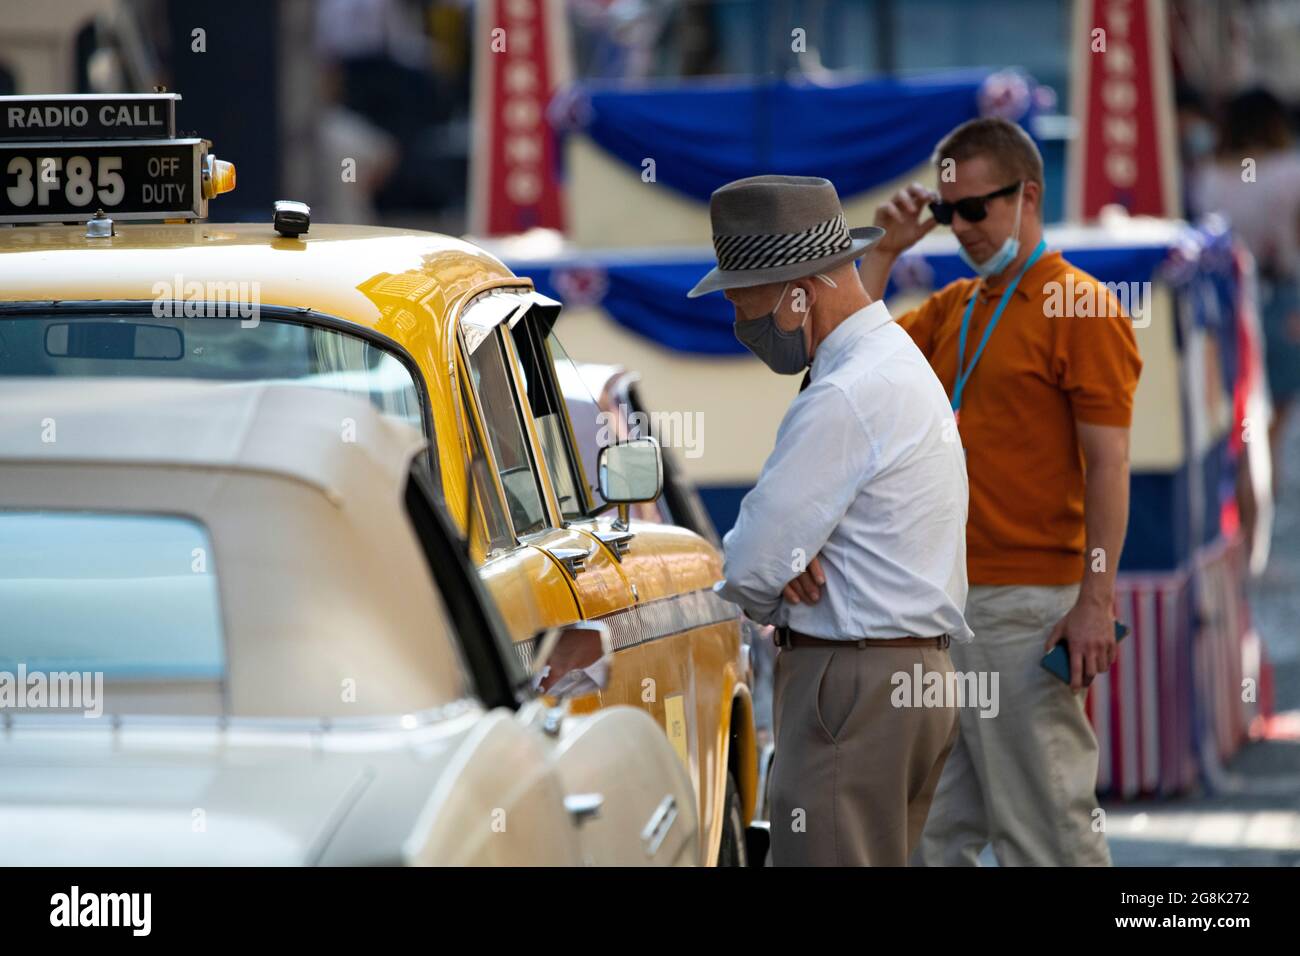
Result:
[624,628]
[618,542]
[665,617]
[584,806]
[661,821]
[552,720]
[642,623]
[573,559]
[46,720]
[99,226]
[500,305]
[525,651]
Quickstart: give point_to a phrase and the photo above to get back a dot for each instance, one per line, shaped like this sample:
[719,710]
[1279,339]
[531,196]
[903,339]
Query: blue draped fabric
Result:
[650,299]
[702,135]
[649,296]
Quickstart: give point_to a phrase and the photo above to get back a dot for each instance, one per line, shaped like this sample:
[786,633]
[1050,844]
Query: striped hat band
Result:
[738,253]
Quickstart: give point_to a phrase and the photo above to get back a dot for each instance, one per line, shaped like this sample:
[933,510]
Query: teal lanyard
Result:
[963,376]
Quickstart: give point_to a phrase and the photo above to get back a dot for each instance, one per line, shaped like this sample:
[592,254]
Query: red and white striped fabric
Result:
[1172,707]
[1141,709]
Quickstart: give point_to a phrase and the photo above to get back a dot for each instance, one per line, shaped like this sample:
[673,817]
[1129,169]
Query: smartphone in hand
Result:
[1057,661]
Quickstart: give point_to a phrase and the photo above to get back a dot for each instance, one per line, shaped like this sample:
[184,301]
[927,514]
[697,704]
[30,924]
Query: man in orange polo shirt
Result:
[1044,396]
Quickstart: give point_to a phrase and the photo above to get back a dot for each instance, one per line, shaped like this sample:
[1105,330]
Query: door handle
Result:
[573,559]
[584,806]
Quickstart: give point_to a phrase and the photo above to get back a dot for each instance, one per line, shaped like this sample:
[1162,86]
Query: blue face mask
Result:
[1005,255]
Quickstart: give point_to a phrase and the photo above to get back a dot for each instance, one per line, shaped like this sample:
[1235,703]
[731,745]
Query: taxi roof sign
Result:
[64,158]
[25,119]
[69,182]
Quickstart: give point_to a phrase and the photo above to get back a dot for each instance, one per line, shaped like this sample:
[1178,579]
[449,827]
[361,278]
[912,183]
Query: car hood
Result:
[197,796]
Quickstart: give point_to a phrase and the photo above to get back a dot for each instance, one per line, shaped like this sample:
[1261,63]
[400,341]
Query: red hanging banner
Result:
[1124,151]
[520,60]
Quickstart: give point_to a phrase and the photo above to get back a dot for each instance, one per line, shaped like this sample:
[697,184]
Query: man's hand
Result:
[807,586]
[1089,631]
[900,217]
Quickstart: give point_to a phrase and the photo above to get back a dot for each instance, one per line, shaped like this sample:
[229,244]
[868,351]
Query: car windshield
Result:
[268,350]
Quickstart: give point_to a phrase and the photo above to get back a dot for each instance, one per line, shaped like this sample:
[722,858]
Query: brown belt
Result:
[786,638]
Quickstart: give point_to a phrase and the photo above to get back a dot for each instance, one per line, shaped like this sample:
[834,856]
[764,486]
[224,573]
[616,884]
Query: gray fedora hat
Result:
[778,228]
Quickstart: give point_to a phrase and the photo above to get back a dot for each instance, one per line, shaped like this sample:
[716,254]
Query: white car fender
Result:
[647,814]
[499,803]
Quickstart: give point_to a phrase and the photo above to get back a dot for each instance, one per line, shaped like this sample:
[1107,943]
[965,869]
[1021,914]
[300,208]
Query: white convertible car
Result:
[280,653]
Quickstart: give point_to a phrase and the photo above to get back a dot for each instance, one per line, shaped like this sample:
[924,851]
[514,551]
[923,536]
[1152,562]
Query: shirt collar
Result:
[845,335]
[1031,283]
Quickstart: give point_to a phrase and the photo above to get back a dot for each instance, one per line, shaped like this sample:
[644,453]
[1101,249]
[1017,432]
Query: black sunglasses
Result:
[972,208]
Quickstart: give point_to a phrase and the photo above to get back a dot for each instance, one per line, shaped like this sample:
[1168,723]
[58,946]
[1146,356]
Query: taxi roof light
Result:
[218,177]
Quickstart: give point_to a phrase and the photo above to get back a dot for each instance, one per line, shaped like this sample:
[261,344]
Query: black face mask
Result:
[785,353]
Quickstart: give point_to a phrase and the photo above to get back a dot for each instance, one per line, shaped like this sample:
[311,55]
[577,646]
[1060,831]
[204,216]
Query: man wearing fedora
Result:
[868,482]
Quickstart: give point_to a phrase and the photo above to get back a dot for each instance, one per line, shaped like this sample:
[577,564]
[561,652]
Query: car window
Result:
[591,425]
[143,346]
[133,597]
[506,436]
[498,531]
[540,358]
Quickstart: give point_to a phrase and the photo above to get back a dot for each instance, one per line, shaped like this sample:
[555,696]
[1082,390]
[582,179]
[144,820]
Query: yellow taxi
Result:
[433,331]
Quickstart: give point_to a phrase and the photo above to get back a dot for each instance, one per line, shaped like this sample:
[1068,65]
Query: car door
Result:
[647,628]
[532,542]
[658,611]
[530,586]
[691,659]
[603,587]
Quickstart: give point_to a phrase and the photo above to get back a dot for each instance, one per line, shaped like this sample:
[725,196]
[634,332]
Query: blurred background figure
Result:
[1255,182]
[621,38]
[357,157]
[1197,135]
[400,89]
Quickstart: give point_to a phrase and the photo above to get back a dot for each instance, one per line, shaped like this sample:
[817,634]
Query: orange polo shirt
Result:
[1058,355]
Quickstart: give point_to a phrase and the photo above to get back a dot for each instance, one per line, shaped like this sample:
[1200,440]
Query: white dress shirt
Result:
[868,471]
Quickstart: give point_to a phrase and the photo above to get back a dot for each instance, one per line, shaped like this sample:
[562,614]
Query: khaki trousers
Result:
[1026,779]
[853,774]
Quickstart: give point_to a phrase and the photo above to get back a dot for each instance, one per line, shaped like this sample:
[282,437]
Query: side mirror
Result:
[574,660]
[631,472]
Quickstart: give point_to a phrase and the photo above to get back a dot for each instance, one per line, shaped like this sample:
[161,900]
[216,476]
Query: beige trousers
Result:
[1026,779]
[854,774]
